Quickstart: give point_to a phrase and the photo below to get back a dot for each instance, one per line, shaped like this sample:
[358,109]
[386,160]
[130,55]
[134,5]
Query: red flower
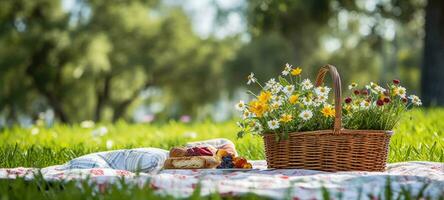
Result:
[348,100]
[380,102]
[396,81]
[356,92]
[364,92]
[386,100]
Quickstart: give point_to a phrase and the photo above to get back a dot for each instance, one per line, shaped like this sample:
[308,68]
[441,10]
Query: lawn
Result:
[418,136]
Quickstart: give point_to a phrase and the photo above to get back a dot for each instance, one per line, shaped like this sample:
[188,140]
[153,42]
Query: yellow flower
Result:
[286,118]
[293,99]
[264,97]
[347,107]
[296,71]
[328,111]
[258,108]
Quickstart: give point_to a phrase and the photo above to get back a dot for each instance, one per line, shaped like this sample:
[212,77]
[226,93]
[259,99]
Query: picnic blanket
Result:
[427,177]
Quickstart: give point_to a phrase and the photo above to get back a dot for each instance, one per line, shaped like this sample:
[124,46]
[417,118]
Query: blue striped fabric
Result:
[146,160]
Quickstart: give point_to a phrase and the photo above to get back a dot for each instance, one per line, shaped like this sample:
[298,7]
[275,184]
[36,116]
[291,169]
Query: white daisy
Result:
[379,89]
[257,127]
[251,78]
[247,114]
[401,91]
[320,99]
[415,100]
[240,106]
[277,99]
[276,88]
[287,69]
[306,84]
[275,105]
[322,91]
[307,101]
[288,90]
[270,84]
[273,124]
[306,115]
[365,104]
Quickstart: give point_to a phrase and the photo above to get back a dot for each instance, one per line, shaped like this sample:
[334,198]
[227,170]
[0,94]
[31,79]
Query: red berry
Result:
[356,92]
[396,81]
[379,102]
[348,100]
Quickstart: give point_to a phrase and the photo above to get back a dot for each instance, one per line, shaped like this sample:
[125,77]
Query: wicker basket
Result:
[330,150]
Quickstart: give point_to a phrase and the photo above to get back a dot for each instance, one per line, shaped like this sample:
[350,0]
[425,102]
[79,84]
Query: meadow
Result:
[418,136]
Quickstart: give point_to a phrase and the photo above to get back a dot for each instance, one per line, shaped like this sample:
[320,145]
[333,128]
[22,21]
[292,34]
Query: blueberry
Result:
[227,158]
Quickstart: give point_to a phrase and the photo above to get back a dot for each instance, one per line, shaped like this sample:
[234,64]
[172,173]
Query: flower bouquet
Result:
[303,128]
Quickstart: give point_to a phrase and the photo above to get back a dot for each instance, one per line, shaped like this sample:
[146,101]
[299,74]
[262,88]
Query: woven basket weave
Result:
[330,150]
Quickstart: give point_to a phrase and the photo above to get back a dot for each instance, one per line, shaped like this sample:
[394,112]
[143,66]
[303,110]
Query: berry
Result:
[230,165]
[348,100]
[396,81]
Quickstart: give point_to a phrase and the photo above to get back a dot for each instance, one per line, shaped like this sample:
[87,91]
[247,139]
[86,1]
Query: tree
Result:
[433,63]
[93,62]
[365,50]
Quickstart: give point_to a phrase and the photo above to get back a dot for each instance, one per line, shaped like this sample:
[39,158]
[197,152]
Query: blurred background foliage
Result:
[144,60]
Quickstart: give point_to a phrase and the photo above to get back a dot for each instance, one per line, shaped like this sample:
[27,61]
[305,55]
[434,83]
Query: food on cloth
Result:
[191,162]
[229,161]
[178,152]
[202,157]
[199,151]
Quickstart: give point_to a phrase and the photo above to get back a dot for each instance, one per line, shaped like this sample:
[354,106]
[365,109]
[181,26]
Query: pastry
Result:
[178,152]
[191,162]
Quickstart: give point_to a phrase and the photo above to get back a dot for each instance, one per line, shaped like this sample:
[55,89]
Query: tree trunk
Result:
[121,107]
[37,62]
[432,80]
[102,97]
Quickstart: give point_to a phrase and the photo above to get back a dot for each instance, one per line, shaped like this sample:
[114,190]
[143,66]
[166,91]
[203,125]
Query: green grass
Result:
[418,136]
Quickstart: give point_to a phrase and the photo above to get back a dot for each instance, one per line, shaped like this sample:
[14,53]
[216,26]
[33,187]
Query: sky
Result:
[203,15]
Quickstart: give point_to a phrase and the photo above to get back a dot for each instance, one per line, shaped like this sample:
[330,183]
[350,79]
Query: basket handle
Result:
[337,90]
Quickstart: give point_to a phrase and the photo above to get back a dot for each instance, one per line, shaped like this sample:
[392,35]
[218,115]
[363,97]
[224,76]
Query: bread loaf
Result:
[191,162]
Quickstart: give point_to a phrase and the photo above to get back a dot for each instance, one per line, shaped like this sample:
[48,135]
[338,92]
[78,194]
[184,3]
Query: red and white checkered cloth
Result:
[283,183]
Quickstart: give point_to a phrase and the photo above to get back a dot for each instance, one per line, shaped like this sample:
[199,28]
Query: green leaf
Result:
[240,134]
[283,81]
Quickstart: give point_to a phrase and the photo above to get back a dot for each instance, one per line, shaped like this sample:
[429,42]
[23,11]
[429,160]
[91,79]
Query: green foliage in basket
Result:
[293,104]
[376,108]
